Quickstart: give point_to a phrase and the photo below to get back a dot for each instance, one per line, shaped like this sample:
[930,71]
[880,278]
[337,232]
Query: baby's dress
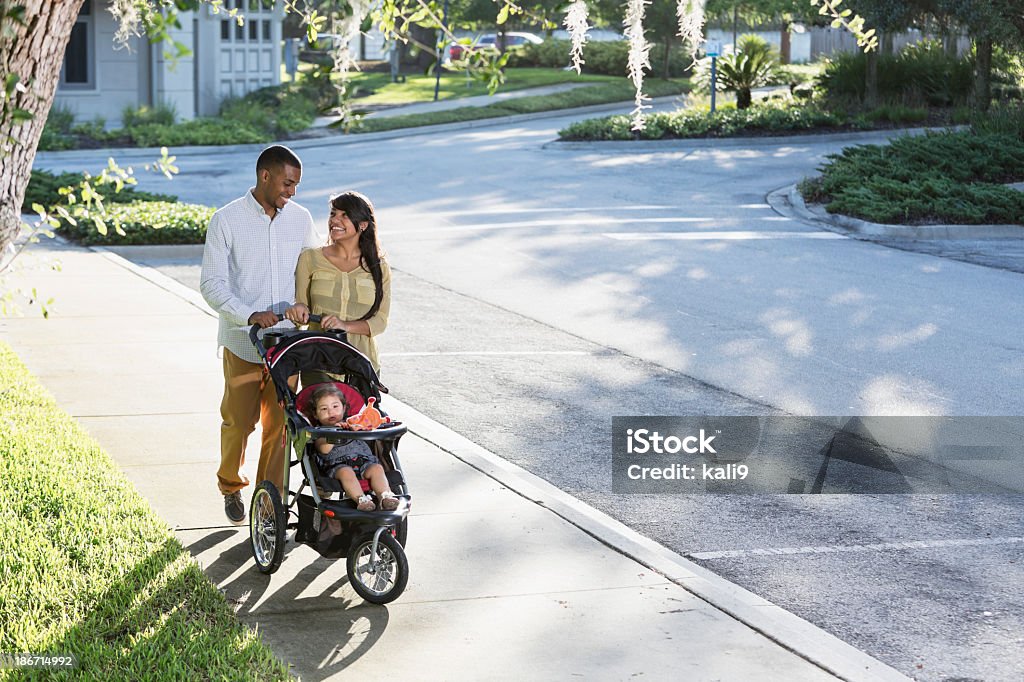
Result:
[349,453]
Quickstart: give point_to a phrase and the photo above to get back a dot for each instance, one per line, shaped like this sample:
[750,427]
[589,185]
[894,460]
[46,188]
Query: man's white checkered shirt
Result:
[249,265]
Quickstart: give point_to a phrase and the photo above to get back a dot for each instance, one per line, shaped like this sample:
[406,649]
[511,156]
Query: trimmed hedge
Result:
[940,178]
[700,122]
[146,222]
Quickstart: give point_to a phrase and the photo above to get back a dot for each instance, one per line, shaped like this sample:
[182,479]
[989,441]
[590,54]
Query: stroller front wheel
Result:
[378,579]
[267,524]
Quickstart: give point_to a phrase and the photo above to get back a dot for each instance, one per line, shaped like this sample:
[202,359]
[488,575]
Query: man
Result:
[248,277]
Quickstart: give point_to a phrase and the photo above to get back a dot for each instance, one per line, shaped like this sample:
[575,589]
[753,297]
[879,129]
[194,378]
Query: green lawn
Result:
[420,88]
[612,90]
[87,568]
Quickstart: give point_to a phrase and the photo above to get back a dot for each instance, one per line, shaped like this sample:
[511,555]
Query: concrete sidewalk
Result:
[509,577]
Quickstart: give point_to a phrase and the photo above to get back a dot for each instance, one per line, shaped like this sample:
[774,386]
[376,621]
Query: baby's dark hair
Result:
[328,390]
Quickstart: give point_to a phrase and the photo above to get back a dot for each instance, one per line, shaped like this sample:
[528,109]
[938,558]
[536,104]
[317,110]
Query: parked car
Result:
[489,41]
[512,39]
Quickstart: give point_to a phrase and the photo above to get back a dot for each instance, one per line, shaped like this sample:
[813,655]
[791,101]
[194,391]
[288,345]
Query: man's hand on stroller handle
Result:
[264,319]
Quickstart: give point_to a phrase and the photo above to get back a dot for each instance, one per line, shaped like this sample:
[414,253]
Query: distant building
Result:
[99,80]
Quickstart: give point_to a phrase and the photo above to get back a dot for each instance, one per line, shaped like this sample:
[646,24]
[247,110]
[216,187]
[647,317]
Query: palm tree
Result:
[745,71]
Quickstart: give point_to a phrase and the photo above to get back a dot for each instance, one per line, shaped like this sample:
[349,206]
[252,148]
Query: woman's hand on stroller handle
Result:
[298,314]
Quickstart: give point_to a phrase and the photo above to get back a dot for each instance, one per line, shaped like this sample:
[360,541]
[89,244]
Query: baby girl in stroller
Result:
[349,460]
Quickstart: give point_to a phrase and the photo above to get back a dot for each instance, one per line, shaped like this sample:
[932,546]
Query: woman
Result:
[347,281]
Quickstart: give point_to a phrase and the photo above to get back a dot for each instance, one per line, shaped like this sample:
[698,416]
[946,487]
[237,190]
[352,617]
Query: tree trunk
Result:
[784,44]
[668,54]
[983,74]
[886,42]
[744,98]
[949,40]
[871,80]
[34,52]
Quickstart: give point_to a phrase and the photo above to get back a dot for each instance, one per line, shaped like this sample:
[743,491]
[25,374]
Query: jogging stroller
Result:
[372,541]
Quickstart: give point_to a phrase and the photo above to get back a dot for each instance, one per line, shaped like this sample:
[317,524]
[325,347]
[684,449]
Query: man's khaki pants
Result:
[246,400]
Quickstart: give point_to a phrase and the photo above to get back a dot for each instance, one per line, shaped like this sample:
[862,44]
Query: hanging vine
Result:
[576,24]
[639,58]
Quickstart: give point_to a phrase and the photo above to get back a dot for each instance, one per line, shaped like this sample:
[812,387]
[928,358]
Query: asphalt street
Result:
[541,289]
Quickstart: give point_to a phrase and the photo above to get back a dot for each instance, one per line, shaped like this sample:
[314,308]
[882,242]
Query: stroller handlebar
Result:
[254,331]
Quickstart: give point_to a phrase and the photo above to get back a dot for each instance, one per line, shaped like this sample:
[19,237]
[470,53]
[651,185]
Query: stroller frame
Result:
[372,541]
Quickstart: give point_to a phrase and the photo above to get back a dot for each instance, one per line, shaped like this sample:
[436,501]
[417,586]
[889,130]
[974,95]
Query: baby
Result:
[350,459]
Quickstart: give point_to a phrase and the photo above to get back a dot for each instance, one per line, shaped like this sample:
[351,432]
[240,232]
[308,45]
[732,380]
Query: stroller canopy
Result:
[307,351]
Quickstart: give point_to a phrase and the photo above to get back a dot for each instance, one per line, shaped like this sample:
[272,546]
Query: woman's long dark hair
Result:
[359,210]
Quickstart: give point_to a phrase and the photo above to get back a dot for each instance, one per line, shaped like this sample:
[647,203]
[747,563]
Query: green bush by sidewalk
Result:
[87,567]
[955,178]
[43,185]
[146,222]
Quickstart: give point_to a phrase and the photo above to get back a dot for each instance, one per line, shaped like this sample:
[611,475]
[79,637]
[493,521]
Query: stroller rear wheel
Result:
[267,524]
[378,579]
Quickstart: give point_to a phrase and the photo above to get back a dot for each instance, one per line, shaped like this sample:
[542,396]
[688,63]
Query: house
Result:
[98,79]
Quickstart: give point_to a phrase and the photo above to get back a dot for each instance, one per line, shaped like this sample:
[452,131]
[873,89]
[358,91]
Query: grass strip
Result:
[87,567]
[602,93]
[455,85]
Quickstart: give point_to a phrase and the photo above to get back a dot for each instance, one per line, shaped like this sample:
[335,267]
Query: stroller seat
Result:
[304,405]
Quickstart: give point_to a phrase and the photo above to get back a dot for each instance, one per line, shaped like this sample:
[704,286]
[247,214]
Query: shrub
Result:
[551,54]
[200,131]
[147,222]
[96,129]
[51,141]
[608,58]
[765,118]
[1001,119]
[56,131]
[946,177]
[897,113]
[43,185]
[278,110]
[921,72]
[162,114]
[60,119]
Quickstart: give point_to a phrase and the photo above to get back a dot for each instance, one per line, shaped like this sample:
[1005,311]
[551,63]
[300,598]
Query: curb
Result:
[782,627]
[787,201]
